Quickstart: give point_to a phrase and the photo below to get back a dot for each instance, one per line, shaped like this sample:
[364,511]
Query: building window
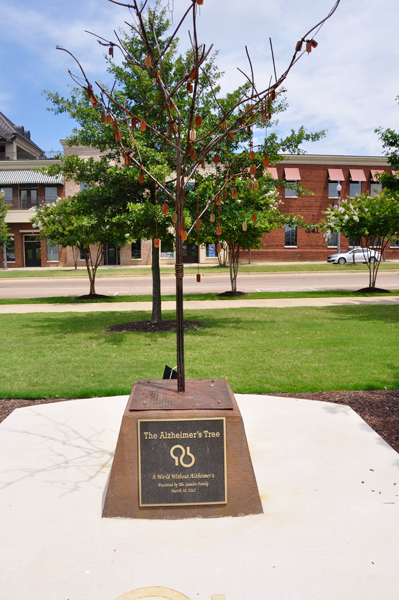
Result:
[7,193]
[167,250]
[291,193]
[29,198]
[395,243]
[332,189]
[375,188]
[10,249]
[53,252]
[290,235]
[50,195]
[355,187]
[136,249]
[211,251]
[354,242]
[333,240]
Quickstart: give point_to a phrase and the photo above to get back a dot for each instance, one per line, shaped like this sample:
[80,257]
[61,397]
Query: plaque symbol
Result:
[183,454]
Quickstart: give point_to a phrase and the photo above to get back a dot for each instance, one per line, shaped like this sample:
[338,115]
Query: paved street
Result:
[247,282]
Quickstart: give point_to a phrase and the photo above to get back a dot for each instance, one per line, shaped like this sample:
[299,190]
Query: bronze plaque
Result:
[162,394]
[182,461]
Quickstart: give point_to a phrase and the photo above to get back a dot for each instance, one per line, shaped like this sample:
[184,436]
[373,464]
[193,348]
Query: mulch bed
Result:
[379,408]
[147,326]
[369,290]
[231,294]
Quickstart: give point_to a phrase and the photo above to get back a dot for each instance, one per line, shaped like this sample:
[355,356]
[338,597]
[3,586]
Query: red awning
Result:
[373,173]
[336,175]
[272,171]
[357,175]
[292,174]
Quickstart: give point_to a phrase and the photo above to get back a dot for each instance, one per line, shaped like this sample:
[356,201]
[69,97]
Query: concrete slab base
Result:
[330,528]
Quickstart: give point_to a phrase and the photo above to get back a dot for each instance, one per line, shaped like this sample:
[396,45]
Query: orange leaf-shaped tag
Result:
[156,243]
[198,120]
[165,209]
[143,126]
[218,231]
[216,159]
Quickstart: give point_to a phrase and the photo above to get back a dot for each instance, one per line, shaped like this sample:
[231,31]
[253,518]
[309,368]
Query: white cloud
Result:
[347,84]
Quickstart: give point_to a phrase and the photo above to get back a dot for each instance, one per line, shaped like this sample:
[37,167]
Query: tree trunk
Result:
[234,254]
[156,316]
[92,276]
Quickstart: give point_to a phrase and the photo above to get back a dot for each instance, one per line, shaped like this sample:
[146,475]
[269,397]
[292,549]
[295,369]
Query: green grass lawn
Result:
[146,271]
[188,297]
[257,350]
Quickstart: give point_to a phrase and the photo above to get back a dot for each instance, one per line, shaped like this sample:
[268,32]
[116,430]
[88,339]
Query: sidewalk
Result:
[194,305]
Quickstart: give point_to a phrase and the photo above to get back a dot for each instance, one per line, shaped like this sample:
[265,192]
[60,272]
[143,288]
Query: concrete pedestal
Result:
[329,487]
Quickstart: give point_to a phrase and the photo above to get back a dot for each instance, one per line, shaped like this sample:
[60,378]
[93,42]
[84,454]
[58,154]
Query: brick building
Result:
[24,188]
[320,175]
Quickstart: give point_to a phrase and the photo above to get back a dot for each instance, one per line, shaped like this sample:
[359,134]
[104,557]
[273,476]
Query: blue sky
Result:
[347,85]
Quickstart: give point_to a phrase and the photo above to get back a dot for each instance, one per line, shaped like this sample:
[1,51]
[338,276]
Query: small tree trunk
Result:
[156,316]
[92,276]
[234,254]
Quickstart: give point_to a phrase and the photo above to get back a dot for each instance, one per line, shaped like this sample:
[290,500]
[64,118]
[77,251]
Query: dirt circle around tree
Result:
[148,327]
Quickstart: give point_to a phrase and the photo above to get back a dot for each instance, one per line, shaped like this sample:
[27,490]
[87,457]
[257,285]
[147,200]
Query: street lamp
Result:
[339,188]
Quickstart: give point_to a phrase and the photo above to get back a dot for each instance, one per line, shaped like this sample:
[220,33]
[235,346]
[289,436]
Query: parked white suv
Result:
[356,255]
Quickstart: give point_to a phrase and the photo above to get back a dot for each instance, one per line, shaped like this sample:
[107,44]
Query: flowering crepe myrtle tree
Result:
[69,222]
[175,118]
[374,220]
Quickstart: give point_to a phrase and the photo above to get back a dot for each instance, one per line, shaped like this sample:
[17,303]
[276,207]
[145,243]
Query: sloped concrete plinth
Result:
[330,527]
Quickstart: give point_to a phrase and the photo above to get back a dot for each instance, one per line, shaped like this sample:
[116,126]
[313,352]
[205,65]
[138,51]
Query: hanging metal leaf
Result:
[203,164]
[174,218]
[198,224]
[314,43]
[198,120]
[298,46]
[199,274]
[252,155]
[234,193]
[189,87]
[224,194]
[147,61]
[127,159]
[193,135]
[218,201]
[250,185]
[184,236]
[254,218]
[200,2]
[223,124]
[308,47]
[231,136]
[212,217]
[156,243]
[218,248]
[165,209]
[216,159]
[244,226]
[143,126]
[193,155]
[109,118]
[141,177]
[266,162]
[103,117]
[256,185]
[111,50]
[218,231]
[193,74]
[252,170]
[134,123]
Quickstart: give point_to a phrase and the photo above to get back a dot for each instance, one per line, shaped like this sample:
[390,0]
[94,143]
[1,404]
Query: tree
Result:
[175,127]
[390,142]
[71,222]
[373,220]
